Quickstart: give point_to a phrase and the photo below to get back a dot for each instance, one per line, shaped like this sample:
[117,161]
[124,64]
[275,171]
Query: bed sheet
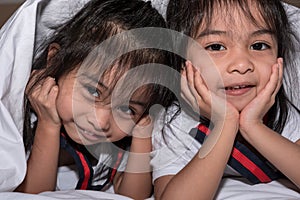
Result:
[232,189]
[60,195]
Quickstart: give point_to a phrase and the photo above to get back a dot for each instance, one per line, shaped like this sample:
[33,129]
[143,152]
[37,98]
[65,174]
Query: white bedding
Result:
[231,190]
[17,39]
[72,194]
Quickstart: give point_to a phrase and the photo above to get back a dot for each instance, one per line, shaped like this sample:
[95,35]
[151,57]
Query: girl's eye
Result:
[126,110]
[215,47]
[93,91]
[259,46]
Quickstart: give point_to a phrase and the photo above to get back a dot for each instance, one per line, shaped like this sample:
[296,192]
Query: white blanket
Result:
[16,47]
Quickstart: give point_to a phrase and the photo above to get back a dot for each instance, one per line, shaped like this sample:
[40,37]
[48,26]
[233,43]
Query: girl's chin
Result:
[239,106]
[242,102]
[80,140]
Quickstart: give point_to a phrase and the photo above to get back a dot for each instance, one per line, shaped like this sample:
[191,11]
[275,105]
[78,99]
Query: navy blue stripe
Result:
[200,136]
[64,145]
[235,164]
[272,173]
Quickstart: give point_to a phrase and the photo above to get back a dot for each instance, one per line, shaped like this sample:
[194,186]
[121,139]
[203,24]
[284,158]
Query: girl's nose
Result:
[101,119]
[241,63]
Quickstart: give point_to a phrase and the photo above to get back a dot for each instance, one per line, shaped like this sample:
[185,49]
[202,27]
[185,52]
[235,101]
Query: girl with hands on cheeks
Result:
[93,94]
[237,100]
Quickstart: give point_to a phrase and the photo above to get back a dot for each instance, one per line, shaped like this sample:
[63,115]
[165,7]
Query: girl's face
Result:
[83,103]
[242,52]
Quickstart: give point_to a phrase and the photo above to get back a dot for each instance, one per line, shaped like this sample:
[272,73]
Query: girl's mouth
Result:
[238,87]
[91,136]
[238,90]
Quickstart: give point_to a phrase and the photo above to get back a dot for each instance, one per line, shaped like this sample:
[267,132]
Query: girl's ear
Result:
[52,51]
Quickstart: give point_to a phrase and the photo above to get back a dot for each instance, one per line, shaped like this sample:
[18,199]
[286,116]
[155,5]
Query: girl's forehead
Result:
[233,15]
[114,79]
[97,72]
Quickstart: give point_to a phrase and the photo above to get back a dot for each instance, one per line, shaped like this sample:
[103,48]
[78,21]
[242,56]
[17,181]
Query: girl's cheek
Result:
[81,108]
[63,109]
[124,126]
[264,74]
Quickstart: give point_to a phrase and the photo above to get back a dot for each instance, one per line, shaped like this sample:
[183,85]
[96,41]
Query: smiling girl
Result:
[243,105]
[91,91]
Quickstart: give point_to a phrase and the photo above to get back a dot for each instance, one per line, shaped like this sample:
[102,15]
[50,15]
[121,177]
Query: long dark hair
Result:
[187,16]
[96,22]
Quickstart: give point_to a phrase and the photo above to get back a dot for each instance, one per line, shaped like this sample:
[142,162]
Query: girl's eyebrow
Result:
[143,104]
[262,32]
[219,32]
[102,85]
[210,32]
[95,80]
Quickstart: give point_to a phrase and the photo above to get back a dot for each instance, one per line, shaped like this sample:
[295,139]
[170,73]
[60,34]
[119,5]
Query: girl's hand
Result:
[136,180]
[42,97]
[254,112]
[43,160]
[143,129]
[195,92]
[141,146]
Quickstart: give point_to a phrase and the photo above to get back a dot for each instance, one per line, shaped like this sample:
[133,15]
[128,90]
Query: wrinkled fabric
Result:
[16,50]
[19,36]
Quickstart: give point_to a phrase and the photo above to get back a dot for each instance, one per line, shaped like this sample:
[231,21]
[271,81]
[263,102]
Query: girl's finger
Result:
[280,77]
[186,93]
[33,80]
[271,86]
[191,82]
[47,86]
[53,93]
[189,74]
[277,80]
[191,101]
[201,87]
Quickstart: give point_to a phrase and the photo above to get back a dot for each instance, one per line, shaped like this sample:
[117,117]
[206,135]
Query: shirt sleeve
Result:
[292,129]
[173,147]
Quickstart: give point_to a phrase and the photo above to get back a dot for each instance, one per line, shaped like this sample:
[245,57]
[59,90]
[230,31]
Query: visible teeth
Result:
[236,87]
[88,133]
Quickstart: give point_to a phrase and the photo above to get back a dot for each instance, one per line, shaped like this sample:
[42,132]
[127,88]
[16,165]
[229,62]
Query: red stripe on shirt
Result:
[251,166]
[114,171]
[247,163]
[86,169]
[203,129]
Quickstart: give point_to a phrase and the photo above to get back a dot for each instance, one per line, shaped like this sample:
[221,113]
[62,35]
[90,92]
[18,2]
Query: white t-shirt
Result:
[174,147]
